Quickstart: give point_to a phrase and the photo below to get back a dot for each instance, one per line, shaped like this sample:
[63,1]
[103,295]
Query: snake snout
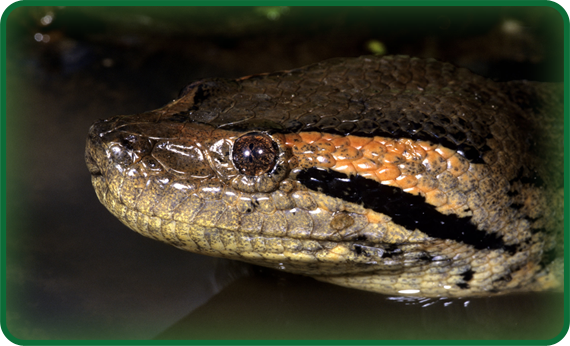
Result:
[95,156]
[93,150]
[92,164]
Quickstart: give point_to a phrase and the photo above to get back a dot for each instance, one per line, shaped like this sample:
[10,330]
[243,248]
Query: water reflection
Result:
[266,304]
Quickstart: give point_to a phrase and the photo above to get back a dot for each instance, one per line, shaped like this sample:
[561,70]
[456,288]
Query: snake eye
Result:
[254,154]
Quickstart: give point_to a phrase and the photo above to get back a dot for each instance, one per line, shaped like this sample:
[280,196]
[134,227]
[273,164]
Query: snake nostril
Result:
[100,127]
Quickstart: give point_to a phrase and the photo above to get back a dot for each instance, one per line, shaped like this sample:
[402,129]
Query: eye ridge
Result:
[255,154]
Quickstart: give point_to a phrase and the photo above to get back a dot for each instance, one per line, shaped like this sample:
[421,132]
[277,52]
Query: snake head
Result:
[394,174]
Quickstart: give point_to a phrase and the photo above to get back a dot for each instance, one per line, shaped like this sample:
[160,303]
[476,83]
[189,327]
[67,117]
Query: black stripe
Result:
[405,209]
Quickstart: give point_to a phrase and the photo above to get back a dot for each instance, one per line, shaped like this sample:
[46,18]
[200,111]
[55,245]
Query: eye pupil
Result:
[254,154]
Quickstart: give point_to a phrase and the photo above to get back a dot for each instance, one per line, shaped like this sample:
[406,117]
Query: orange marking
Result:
[434,160]
[368,174]
[387,172]
[279,137]
[373,150]
[324,146]
[445,152]
[414,152]
[427,146]
[436,198]
[347,153]
[392,157]
[414,190]
[406,181]
[326,161]
[344,166]
[378,159]
[457,166]
[340,142]
[423,186]
[328,136]
[359,142]
[292,138]
[365,164]
[310,137]
[395,147]
[382,140]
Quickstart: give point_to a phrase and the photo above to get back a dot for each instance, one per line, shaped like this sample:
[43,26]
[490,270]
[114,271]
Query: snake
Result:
[397,175]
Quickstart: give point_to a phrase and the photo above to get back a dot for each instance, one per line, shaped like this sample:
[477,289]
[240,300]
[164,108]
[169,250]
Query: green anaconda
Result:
[397,175]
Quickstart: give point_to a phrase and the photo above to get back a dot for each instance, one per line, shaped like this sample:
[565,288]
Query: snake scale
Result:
[397,175]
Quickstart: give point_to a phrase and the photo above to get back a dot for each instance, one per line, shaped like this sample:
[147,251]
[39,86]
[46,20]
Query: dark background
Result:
[73,271]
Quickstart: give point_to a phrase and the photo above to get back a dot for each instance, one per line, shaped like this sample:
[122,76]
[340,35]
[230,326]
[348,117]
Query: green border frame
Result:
[6,9]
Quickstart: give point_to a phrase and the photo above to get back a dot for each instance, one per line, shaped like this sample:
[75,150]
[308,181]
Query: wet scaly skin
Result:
[394,175]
